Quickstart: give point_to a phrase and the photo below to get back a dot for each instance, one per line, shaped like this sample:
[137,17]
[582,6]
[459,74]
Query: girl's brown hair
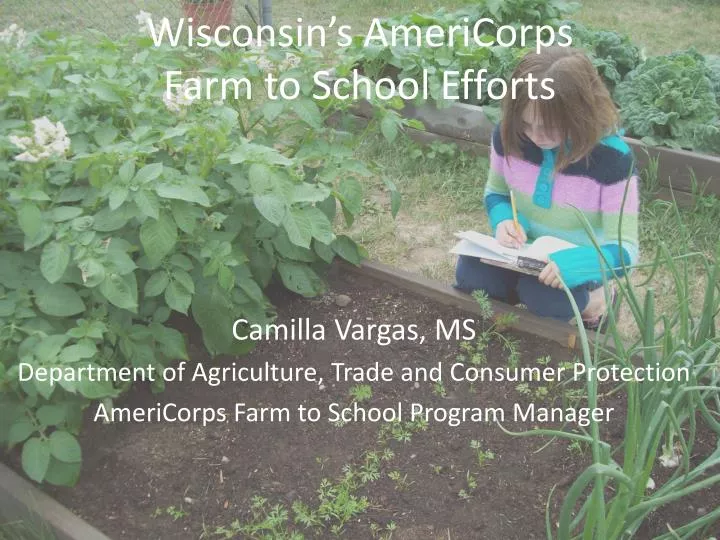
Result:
[581,109]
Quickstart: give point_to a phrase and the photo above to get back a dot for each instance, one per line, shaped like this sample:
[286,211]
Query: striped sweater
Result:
[545,202]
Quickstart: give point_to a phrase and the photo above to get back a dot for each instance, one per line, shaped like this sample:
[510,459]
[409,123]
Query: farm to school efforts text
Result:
[455,85]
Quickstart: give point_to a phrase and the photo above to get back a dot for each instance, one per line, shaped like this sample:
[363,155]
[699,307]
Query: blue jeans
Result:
[512,287]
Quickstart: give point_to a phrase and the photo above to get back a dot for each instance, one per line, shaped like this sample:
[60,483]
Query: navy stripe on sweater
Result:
[607,163]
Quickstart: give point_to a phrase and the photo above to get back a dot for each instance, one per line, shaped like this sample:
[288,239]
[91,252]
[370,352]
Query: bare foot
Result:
[596,306]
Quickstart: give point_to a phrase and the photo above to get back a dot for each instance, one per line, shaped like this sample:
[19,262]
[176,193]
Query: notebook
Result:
[530,258]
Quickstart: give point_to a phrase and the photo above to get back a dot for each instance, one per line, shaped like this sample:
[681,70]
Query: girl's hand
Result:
[550,276]
[509,236]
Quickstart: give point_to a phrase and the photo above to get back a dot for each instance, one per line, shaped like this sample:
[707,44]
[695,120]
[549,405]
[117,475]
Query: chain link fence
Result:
[118,17]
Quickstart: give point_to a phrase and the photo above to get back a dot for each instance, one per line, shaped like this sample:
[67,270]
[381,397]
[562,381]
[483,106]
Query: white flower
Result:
[13,32]
[48,140]
[177,103]
[27,157]
[20,35]
[23,143]
[264,64]
[291,61]
[170,103]
[144,19]
[6,35]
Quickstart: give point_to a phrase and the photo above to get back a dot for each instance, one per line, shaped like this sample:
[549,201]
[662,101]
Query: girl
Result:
[557,154]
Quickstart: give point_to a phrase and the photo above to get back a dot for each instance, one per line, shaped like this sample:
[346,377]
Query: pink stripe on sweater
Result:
[497,162]
[582,192]
[612,197]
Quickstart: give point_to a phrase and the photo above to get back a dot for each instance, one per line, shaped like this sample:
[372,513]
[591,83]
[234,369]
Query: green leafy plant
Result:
[400,62]
[474,352]
[361,392]
[172,511]
[613,54]
[712,61]
[383,533]
[265,522]
[466,493]
[554,389]
[400,480]
[610,499]
[527,12]
[670,100]
[121,205]
[482,456]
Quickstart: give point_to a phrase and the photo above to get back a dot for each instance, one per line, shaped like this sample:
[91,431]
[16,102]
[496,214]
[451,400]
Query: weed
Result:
[401,481]
[172,511]
[400,431]
[382,533]
[475,352]
[466,493]
[371,208]
[439,389]
[266,522]
[339,502]
[361,392]
[551,388]
[305,515]
[370,470]
[471,481]
[439,152]
[578,448]
[481,455]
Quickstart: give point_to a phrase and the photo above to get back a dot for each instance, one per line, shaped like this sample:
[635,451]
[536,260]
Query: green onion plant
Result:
[611,498]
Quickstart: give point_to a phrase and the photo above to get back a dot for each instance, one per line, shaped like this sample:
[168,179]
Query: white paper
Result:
[471,249]
[480,245]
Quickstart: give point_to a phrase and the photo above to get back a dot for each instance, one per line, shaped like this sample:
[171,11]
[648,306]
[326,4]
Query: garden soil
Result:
[181,481]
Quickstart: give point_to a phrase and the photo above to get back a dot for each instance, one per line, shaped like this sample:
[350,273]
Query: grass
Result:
[443,196]
[25,530]
[660,26]
[114,18]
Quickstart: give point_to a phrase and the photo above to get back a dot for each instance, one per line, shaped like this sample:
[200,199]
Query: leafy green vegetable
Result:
[612,53]
[527,12]
[670,100]
[119,207]
[713,63]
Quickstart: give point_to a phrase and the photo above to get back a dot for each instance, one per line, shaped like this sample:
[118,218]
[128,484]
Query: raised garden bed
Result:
[469,127]
[173,480]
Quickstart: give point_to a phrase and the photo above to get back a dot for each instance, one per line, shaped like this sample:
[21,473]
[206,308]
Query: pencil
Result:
[514,211]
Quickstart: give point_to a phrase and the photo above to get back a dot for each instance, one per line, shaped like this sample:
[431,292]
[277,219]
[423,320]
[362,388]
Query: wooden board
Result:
[682,197]
[465,122]
[675,166]
[22,501]
[563,333]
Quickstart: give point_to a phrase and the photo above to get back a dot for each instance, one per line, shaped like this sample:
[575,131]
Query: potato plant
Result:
[122,206]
